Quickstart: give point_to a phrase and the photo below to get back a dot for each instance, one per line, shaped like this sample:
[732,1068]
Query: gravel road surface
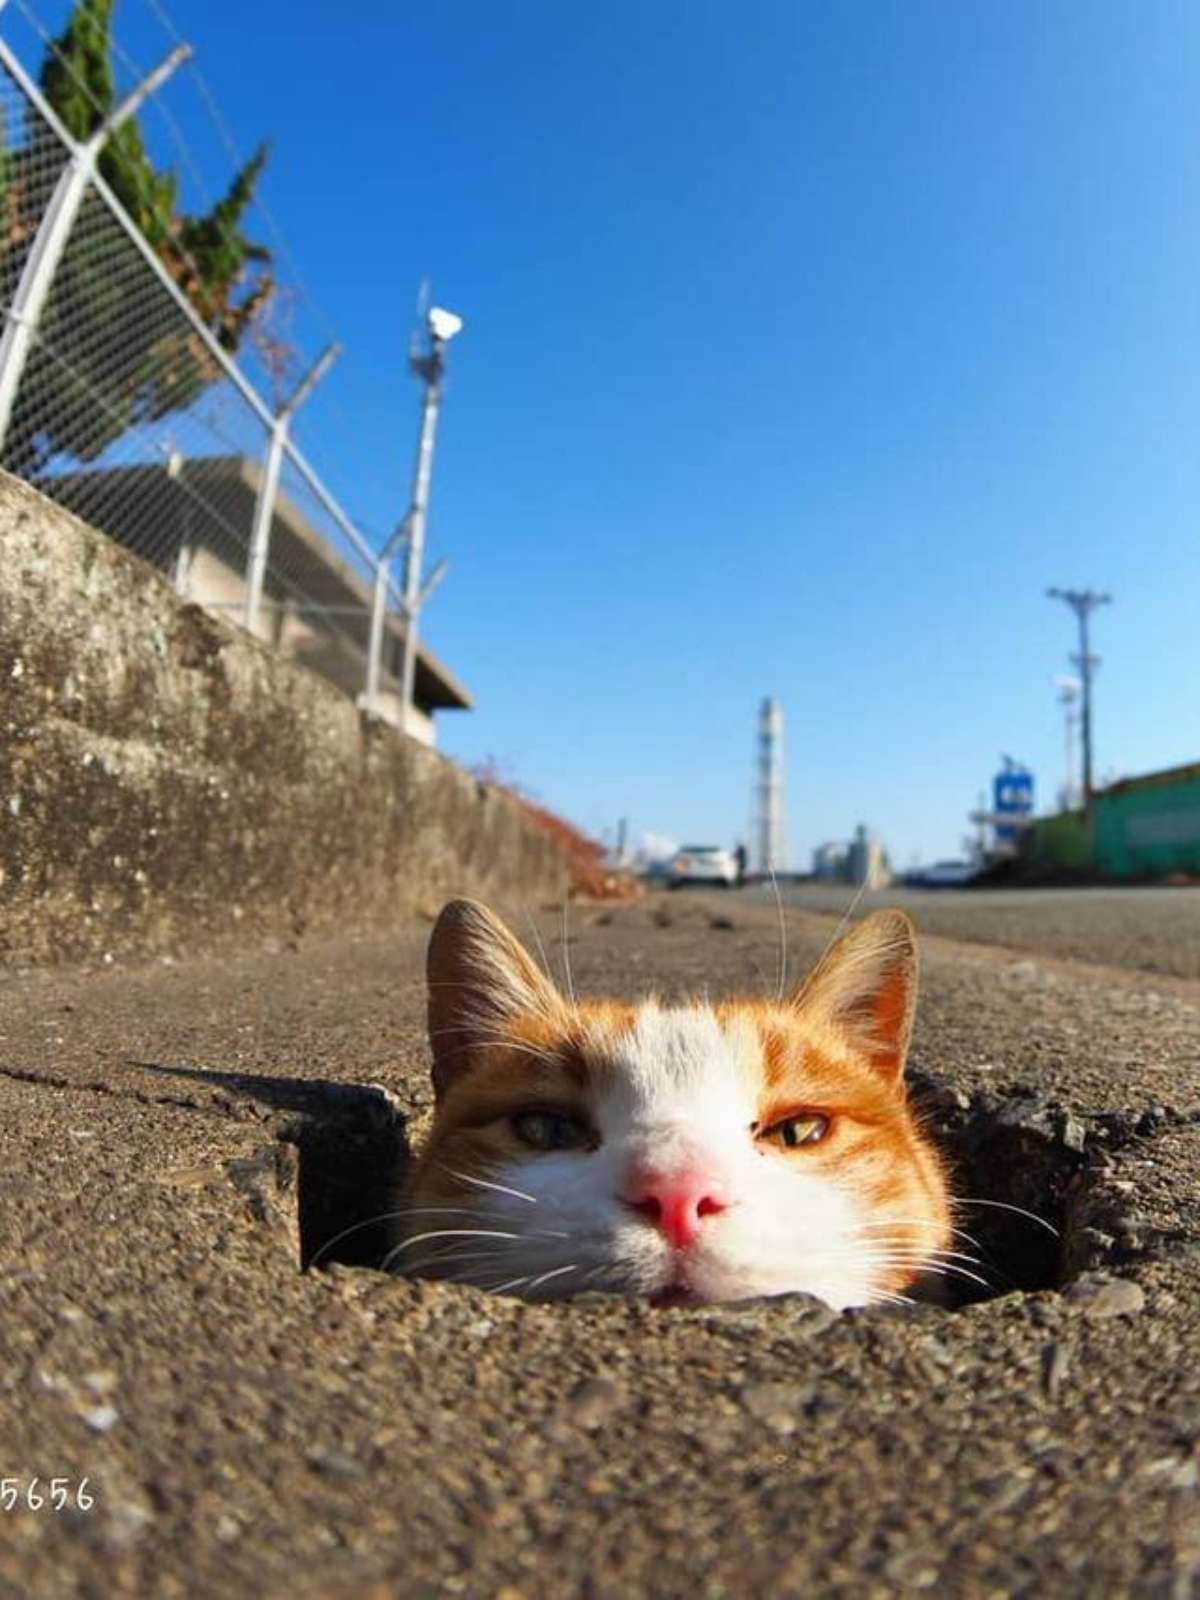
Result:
[175,1137]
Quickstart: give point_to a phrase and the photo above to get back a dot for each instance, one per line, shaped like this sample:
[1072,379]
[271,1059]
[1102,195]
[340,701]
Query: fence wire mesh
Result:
[126,410]
[33,161]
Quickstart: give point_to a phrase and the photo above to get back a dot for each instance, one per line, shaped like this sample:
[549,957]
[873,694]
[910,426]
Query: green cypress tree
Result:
[100,364]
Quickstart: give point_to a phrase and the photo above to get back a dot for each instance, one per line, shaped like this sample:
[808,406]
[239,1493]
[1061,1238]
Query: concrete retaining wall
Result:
[166,782]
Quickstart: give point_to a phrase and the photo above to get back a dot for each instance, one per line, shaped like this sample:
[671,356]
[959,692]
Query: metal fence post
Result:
[264,505]
[37,275]
[260,531]
[383,569]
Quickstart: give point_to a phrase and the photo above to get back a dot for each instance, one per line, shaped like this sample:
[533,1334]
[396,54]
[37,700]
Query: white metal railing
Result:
[118,399]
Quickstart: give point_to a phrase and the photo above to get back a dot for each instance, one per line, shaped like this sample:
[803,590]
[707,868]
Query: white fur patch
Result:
[682,1097]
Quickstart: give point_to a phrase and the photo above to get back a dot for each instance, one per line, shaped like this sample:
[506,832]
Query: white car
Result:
[702,863]
[944,875]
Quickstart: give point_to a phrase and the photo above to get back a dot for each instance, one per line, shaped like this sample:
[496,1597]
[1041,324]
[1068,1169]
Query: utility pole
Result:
[1068,698]
[429,364]
[1083,602]
[770,787]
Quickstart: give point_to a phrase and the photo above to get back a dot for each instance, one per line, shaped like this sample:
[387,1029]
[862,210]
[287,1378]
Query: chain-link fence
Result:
[119,399]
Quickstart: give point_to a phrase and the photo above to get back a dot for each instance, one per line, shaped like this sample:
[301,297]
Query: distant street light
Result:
[1083,602]
[427,362]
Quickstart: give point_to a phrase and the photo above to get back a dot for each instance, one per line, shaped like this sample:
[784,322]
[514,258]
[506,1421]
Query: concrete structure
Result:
[866,862]
[193,519]
[168,783]
[829,862]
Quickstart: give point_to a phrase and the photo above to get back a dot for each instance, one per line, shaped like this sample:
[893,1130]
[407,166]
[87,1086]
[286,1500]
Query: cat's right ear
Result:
[481,979]
[865,988]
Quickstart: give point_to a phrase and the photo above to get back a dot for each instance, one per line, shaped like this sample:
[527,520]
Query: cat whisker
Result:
[444,1233]
[387,1216]
[911,1251]
[933,1254]
[948,1270]
[845,918]
[500,1188]
[925,1264]
[782,938]
[556,1273]
[566,950]
[531,1237]
[438,1262]
[954,1266]
[913,1222]
[457,1233]
[884,1297]
[427,1211]
[466,1269]
[537,939]
[434,1264]
[900,1255]
[1003,1205]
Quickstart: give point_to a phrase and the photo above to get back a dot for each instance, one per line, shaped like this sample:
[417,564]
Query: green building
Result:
[1147,827]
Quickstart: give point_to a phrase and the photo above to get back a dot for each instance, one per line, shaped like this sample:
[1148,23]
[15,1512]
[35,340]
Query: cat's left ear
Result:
[865,988]
[481,980]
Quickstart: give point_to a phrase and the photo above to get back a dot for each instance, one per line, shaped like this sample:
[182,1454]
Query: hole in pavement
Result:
[1011,1152]
[351,1147]
[352,1162]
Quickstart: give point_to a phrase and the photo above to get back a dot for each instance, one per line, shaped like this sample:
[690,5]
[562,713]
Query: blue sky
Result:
[806,345]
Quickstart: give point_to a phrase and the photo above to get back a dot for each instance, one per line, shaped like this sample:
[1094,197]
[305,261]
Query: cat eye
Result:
[552,1130]
[793,1132]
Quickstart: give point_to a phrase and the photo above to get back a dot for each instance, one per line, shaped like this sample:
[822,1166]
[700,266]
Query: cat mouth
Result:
[675,1294]
[678,1290]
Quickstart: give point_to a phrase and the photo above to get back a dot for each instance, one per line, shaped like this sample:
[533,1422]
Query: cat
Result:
[682,1153]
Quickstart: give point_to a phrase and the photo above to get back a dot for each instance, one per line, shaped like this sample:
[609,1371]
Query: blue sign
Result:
[1012,796]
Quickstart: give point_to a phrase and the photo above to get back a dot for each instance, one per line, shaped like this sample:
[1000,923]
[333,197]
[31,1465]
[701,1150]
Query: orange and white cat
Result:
[681,1152]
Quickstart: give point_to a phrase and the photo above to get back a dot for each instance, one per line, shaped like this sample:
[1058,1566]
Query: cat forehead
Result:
[735,1050]
[685,1048]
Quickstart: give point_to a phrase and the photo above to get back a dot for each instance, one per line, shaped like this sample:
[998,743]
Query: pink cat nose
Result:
[676,1202]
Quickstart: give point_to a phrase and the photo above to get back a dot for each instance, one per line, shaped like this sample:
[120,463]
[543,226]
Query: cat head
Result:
[685,1152]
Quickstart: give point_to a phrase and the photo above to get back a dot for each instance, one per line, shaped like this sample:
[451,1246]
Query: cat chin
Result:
[743,1292]
[710,1283]
[677,1295]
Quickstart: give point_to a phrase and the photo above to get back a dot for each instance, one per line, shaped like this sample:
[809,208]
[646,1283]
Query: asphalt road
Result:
[1147,930]
[251,1429]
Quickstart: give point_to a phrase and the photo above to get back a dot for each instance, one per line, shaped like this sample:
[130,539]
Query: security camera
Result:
[443,324]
